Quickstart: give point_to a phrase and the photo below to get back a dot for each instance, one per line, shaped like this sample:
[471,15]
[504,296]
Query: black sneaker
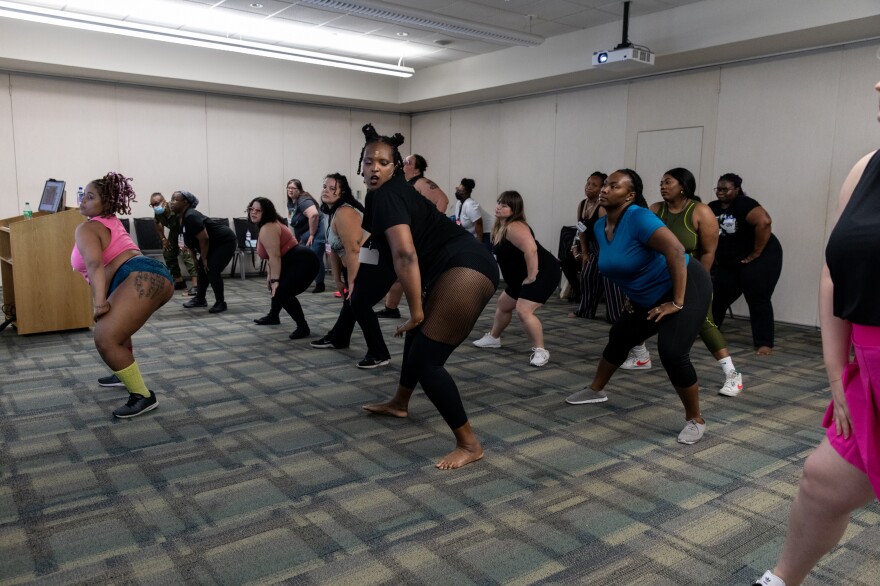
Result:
[136,405]
[388,313]
[370,362]
[219,307]
[192,292]
[325,342]
[319,288]
[195,302]
[110,381]
[300,333]
[268,320]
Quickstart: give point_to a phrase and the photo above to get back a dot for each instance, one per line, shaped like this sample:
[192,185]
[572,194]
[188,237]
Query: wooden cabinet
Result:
[37,278]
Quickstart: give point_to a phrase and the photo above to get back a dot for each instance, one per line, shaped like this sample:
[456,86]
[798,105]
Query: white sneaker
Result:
[692,432]
[539,357]
[633,362]
[733,385]
[769,579]
[488,341]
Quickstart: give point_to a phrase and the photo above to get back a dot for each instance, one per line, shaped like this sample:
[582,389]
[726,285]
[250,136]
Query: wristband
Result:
[677,306]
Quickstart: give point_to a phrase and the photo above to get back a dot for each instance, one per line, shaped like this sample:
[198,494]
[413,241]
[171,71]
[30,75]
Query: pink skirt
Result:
[861,384]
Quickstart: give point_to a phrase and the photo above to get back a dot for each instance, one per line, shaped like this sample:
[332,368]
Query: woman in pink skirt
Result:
[843,474]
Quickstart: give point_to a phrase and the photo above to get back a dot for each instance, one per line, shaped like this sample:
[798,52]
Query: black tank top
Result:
[853,250]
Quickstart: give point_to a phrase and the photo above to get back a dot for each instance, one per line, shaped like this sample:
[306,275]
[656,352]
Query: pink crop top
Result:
[287,242]
[120,241]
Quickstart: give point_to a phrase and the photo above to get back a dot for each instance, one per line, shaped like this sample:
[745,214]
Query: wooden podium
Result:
[37,277]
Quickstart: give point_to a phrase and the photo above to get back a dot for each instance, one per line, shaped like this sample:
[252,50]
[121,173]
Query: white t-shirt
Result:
[468,213]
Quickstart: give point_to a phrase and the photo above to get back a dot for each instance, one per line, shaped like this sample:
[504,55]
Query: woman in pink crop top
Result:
[291,266]
[127,287]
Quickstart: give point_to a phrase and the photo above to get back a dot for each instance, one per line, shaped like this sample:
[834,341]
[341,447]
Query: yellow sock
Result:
[132,379]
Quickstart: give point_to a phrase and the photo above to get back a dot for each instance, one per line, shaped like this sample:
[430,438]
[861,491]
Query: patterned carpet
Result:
[259,466]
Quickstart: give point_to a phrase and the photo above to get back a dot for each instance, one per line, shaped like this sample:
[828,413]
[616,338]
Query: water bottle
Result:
[248,241]
[80,193]
[28,212]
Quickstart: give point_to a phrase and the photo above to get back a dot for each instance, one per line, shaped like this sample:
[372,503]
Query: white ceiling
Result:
[545,18]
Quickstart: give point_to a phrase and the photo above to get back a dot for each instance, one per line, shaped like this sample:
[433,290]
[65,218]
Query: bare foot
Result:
[571,314]
[763,351]
[390,409]
[460,456]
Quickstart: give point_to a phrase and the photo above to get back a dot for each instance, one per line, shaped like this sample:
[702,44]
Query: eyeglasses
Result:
[153,205]
[722,189]
[253,209]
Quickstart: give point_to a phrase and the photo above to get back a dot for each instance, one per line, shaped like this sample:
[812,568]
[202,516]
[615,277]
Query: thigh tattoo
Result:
[149,285]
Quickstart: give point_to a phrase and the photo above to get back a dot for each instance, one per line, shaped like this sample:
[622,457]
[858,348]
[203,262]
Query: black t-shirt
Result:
[436,239]
[736,236]
[854,247]
[297,214]
[194,222]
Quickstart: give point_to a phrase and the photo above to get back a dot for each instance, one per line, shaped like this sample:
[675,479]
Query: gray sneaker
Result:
[692,432]
[110,381]
[586,396]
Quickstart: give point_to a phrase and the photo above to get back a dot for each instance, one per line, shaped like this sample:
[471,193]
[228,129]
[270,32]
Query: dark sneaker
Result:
[192,291]
[370,362]
[195,302]
[325,342]
[136,405]
[300,333]
[319,288]
[179,286]
[268,320]
[219,307]
[110,381]
[388,313]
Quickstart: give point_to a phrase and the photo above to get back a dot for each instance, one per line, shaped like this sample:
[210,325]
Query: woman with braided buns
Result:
[127,287]
[426,252]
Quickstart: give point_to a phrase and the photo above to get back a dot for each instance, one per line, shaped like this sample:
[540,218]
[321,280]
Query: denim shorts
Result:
[138,264]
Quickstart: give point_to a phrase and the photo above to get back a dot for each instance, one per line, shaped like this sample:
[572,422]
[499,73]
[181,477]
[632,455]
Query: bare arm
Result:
[519,235]
[347,224]
[406,265]
[707,231]
[202,238]
[160,231]
[760,219]
[88,242]
[314,221]
[270,238]
[432,192]
[835,331]
[665,242]
[478,230]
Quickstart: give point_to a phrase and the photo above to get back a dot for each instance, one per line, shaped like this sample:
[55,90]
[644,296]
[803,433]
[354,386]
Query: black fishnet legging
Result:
[452,306]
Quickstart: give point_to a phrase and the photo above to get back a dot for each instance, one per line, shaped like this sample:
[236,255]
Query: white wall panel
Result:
[771,122]
[162,143]
[431,138]
[526,149]
[63,129]
[245,148]
[474,153]
[9,195]
[659,151]
[590,137]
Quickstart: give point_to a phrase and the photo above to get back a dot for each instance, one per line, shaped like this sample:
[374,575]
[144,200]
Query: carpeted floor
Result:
[260,467]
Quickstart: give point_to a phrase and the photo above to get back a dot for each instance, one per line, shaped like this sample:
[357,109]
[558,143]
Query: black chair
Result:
[126,224]
[147,238]
[242,227]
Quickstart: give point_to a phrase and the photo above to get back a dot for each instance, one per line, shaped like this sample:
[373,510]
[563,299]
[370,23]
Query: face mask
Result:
[459,195]
[159,210]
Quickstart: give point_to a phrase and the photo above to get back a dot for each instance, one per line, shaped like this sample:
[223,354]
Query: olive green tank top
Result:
[682,225]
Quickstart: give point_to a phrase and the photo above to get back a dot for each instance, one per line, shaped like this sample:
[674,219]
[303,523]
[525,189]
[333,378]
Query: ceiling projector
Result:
[623,58]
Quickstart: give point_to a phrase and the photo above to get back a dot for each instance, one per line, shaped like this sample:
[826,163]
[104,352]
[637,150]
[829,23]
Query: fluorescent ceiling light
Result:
[396,14]
[206,19]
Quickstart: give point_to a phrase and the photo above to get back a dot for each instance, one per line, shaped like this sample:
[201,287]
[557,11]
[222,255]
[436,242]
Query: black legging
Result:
[675,333]
[299,265]
[757,281]
[570,267]
[452,306]
[219,255]
[370,286]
